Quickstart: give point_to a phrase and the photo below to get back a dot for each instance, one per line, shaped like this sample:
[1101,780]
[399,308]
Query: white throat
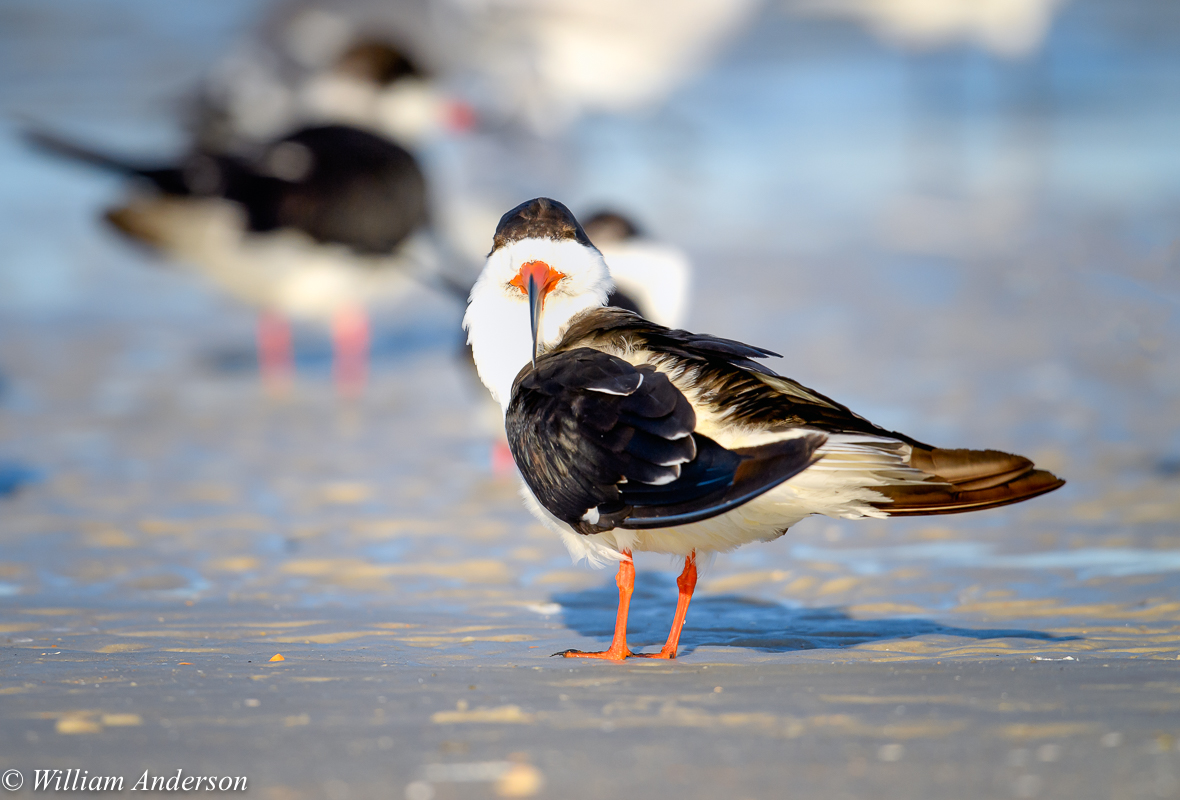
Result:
[497,318]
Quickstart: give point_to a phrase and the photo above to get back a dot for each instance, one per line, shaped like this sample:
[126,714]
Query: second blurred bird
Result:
[318,67]
[318,226]
[651,277]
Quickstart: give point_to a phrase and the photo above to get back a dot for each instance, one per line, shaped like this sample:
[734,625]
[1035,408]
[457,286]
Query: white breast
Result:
[497,318]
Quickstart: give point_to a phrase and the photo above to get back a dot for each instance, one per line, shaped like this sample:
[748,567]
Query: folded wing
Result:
[728,380]
[604,444]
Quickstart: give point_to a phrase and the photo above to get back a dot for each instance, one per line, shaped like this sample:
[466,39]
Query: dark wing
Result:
[603,444]
[726,374]
[338,184]
[335,183]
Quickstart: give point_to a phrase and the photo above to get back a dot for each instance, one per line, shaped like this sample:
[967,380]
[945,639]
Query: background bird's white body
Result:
[657,276]
[544,62]
[284,271]
[408,111]
[1010,28]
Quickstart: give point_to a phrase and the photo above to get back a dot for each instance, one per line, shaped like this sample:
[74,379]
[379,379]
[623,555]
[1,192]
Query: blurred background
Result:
[961,218]
[902,196]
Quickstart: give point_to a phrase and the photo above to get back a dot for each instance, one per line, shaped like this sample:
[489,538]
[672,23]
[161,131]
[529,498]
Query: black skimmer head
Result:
[377,62]
[541,272]
[611,227]
[376,84]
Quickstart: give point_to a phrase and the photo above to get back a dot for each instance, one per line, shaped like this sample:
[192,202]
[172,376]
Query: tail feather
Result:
[56,145]
[168,179]
[966,480]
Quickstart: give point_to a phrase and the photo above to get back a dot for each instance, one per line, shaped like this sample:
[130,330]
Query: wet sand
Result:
[179,528]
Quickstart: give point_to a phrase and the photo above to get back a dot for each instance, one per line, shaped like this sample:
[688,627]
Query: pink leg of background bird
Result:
[350,351]
[503,464]
[275,359]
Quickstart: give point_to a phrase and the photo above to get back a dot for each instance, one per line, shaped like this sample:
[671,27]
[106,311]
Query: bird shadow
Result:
[729,620]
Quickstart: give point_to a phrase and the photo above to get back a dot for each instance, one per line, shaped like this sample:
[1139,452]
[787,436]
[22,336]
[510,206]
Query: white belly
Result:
[833,487]
[284,270]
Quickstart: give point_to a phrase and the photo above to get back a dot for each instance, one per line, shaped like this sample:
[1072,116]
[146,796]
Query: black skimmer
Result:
[631,436]
[320,225]
[318,68]
[652,278]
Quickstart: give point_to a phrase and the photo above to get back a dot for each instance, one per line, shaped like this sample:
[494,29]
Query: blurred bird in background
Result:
[541,64]
[652,278]
[317,67]
[300,195]
[321,225]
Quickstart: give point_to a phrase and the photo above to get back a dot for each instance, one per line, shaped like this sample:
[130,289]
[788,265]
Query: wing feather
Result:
[727,374]
[630,457]
[725,378]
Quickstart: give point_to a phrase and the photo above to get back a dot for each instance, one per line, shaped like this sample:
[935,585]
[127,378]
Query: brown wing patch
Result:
[970,469]
[967,480]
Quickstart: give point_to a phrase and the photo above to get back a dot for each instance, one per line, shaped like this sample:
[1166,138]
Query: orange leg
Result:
[685,583]
[618,647]
[350,345]
[275,359]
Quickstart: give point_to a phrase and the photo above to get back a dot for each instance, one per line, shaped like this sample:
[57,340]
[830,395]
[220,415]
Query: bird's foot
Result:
[613,654]
[665,653]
